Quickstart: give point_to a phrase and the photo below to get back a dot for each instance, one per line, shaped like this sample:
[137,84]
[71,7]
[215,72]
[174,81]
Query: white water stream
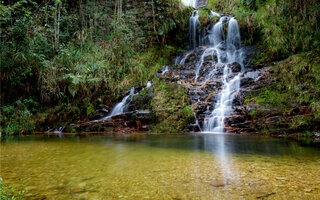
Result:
[194,23]
[192,3]
[215,122]
[227,49]
[121,106]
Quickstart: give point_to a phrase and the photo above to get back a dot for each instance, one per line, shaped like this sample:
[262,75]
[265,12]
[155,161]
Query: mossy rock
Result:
[204,17]
[214,19]
[191,58]
[208,58]
[171,106]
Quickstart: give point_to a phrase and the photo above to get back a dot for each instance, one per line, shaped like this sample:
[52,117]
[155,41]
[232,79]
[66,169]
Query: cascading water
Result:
[194,23]
[224,49]
[215,122]
[216,34]
[223,107]
[208,51]
[233,37]
[165,69]
[121,106]
[149,84]
[193,3]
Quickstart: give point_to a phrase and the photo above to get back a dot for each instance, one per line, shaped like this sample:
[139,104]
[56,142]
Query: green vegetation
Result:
[295,92]
[288,31]
[9,193]
[204,17]
[280,28]
[61,60]
[171,106]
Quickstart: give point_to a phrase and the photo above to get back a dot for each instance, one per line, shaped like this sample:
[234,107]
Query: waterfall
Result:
[193,29]
[121,106]
[149,84]
[215,122]
[165,69]
[233,37]
[193,3]
[223,107]
[216,34]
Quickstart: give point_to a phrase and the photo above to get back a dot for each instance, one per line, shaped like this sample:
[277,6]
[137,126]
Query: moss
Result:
[204,17]
[214,19]
[192,58]
[208,58]
[171,107]
[294,94]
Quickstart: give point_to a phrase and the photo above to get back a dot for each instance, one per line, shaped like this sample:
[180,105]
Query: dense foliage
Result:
[281,28]
[60,59]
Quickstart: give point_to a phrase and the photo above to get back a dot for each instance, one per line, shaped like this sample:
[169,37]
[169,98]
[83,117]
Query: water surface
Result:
[161,167]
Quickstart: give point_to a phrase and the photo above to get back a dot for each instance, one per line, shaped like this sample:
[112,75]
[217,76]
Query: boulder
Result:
[235,67]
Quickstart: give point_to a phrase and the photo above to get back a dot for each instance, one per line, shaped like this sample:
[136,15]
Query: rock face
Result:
[204,85]
[129,121]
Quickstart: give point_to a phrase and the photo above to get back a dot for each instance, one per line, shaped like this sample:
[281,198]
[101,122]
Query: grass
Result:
[295,93]
[171,106]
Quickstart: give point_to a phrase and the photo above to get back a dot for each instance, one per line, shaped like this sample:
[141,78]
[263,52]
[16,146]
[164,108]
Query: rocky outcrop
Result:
[138,120]
[204,89]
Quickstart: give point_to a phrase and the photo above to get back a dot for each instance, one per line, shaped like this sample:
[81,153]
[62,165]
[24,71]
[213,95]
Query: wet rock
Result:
[194,128]
[218,183]
[237,101]
[236,119]
[246,81]
[100,113]
[208,58]
[235,67]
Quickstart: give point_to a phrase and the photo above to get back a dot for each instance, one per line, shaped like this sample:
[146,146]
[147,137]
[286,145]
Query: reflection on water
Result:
[161,167]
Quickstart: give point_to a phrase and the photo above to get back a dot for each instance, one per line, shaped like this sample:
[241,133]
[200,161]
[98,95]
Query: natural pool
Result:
[161,167]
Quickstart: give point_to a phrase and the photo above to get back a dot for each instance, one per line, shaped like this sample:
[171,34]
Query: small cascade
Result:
[194,24]
[233,37]
[216,34]
[165,69]
[59,130]
[192,3]
[208,52]
[149,84]
[121,106]
[183,60]
[223,107]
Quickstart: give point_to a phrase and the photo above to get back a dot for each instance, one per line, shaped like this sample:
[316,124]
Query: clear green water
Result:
[161,167]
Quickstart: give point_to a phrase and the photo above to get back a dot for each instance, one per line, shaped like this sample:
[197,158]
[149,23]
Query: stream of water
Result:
[227,49]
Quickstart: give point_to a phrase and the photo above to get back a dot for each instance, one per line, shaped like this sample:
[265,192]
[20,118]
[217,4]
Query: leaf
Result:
[160,30]
[73,90]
